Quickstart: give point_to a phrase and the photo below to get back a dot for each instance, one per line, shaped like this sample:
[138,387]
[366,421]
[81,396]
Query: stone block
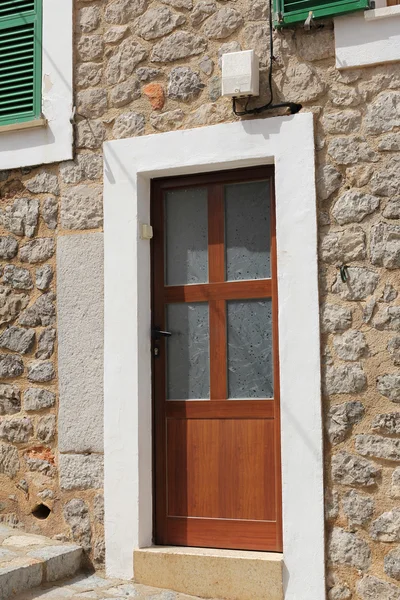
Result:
[10,399]
[385,245]
[178,45]
[328,180]
[11,304]
[383,114]
[17,277]
[223,23]
[395,484]
[76,514]
[388,318]
[112,35]
[392,209]
[128,125]
[82,207]
[9,461]
[349,469]
[122,11]
[386,528]
[167,121]
[43,183]
[90,73]
[341,418]
[389,386]
[38,399]
[357,507]
[388,424]
[88,18]
[46,343]
[16,430]
[351,345]
[350,150]
[8,247]
[11,365]
[81,471]
[50,212]
[17,339]
[347,548]
[80,354]
[372,588]
[345,121]
[335,318]
[378,447]
[158,22]
[90,47]
[202,10]
[122,64]
[353,206]
[387,181]
[92,102]
[22,216]
[361,283]
[46,429]
[123,93]
[392,564]
[90,134]
[16,579]
[184,84]
[44,277]
[345,379]
[41,371]
[38,250]
[61,562]
[341,247]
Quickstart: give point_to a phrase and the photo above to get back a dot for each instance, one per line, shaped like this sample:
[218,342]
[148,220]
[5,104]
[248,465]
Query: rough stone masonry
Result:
[144,67]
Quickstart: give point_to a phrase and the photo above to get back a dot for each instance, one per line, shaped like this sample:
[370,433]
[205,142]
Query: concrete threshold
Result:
[211,573]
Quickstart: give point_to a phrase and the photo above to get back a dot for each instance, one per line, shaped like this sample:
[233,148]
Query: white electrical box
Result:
[240,74]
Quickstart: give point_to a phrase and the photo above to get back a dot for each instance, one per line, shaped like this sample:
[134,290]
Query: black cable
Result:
[293,107]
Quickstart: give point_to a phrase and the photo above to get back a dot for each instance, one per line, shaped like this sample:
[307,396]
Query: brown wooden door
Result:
[216,384]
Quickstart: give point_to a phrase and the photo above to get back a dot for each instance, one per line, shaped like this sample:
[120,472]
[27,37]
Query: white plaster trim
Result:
[130,164]
[52,143]
[368,38]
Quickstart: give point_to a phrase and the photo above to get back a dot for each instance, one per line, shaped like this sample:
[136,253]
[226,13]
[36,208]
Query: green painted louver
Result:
[20,60]
[10,8]
[288,12]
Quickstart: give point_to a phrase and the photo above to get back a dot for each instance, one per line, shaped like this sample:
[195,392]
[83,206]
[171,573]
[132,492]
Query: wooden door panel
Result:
[217,460]
[221,464]
[224,533]
[220,409]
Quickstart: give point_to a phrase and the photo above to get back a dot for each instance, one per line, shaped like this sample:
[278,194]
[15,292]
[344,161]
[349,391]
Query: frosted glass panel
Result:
[188,354]
[250,364]
[186,232]
[247,231]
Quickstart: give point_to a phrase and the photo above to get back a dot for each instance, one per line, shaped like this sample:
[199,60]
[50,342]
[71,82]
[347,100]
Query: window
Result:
[36,88]
[287,12]
[20,60]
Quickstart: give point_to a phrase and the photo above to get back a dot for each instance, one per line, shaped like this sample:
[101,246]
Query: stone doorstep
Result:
[27,561]
[210,573]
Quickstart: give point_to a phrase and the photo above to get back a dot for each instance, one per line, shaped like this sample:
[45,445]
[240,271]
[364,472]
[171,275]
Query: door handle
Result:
[157,333]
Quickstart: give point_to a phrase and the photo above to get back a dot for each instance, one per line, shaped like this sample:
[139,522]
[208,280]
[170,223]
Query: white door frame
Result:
[129,166]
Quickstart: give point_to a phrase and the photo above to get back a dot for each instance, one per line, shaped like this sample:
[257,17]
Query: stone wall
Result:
[145,67]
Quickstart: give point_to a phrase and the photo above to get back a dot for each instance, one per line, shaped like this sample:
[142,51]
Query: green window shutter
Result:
[20,60]
[287,12]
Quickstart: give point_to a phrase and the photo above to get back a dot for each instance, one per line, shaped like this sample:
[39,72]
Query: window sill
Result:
[24,125]
[368,38]
[382,13]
